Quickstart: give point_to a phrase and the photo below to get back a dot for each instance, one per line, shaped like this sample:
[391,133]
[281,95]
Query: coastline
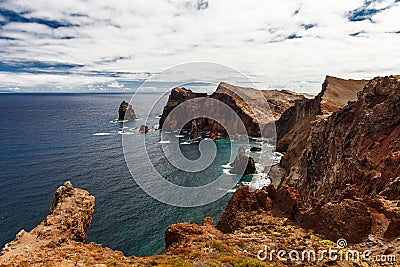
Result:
[291,213]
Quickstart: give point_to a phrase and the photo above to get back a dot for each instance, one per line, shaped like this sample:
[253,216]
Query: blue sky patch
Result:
[366,11]
[12,16]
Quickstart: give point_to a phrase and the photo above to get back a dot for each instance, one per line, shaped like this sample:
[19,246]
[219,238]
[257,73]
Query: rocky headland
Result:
[237,98]
[59,239]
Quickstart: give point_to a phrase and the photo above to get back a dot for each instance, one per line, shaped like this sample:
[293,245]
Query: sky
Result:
[102,45]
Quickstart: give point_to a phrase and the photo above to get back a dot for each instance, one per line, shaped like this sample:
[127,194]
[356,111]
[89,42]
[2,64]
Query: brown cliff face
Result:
[228,94]
[176,97]
[184,232]
[293,127]
[126,112]
[349,163]
[342,165]
[358,145]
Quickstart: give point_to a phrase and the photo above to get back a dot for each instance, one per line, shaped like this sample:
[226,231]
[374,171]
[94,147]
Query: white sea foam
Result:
[126,133]
[101,134]
[185,143]
[116,121]
[259,181]
[226,172]
[226,166]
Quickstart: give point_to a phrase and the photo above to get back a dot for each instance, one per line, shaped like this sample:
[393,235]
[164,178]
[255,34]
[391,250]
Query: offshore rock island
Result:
[341,180]
[126,112]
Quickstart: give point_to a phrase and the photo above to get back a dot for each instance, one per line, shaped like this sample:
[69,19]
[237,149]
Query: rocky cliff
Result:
[342,182]
[228,94]
[342,163]
[358,146]
[350,166]
[293,127]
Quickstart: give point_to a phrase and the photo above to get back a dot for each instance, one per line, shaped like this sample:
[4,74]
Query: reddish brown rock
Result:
[242,202]
[341,156]
[293,127]
[185,232]
[347,161]
[286,201]
[348,219]
[68,222]
[356,146]
[176,97]
[180,231]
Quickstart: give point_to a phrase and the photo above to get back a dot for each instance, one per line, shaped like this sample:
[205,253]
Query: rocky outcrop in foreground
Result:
[356,149]
[126,112]
[253,120]
[58,240]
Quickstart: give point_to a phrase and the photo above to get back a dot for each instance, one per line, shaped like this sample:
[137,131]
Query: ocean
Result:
[47,139]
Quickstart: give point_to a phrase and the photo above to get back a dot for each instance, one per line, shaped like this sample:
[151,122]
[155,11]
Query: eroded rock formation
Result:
[293,127]
[243,164]
[62,233]
[357,146]
[343,174]
[126,112]
[259,118]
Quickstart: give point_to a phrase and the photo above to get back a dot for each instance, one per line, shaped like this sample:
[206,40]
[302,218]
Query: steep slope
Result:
[349,167]
[356,146]
[343,178]
[293,127]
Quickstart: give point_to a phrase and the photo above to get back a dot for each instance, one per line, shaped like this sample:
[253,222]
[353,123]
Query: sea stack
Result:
[243,164]
[126,112]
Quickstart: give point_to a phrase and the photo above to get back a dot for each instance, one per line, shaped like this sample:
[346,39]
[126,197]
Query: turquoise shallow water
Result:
[47,139]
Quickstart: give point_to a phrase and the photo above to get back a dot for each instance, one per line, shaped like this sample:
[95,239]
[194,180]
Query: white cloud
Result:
[252,37]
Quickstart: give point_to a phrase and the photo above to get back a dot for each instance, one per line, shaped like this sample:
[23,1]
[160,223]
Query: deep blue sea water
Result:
[47,139]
